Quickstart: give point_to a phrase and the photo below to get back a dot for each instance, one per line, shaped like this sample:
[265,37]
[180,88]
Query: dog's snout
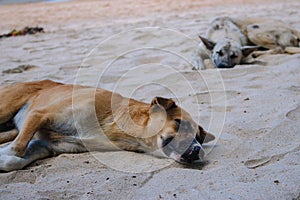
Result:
[197,149]
[194,152]
[224,65]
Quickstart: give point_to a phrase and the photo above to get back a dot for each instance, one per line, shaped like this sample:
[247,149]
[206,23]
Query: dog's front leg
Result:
[198,59]
[198,63]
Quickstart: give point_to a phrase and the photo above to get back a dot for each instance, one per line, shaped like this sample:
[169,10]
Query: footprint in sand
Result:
[252,164]
[294,114]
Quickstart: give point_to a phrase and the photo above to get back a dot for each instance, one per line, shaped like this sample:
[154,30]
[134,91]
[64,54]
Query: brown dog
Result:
[47,118]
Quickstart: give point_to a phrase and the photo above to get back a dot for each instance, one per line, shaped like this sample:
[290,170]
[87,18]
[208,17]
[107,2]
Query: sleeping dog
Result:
[47,118]
[229,42]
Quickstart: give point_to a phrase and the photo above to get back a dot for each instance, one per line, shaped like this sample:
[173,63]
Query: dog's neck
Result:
[131,119]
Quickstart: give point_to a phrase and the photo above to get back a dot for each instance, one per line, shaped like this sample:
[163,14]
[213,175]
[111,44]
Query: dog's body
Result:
[273,35]
[52,118]
[229,41]
[225,44]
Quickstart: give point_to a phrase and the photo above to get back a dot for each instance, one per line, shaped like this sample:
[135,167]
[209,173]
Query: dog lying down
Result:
[47,118]
[229,42]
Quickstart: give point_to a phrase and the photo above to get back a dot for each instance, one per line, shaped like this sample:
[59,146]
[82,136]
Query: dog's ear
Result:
[208,43]
[158,114]
[203,136]
[165,103]
[247,50]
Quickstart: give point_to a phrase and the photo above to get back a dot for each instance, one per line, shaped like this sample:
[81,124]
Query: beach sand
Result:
[142,49]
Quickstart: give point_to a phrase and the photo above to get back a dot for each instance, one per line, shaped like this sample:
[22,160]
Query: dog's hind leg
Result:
[277,50]
[14,97]
[8,136]
[8,132]
[16,155]
[38,149]
[292,50]
[34,119]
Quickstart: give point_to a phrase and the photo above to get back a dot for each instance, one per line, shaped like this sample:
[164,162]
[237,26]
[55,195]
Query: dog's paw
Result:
[8,160]
[197,64]
[10,163]
[7,150]
[195,68]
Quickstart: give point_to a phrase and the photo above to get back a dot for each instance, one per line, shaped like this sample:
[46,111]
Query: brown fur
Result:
[52,118]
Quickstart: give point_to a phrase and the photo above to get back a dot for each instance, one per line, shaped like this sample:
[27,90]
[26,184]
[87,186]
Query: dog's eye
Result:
[220,53]
[178,121]
[183,125]
[167,141]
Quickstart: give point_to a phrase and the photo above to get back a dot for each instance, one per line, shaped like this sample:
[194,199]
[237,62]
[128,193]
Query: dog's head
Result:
[178,135]
[227,53]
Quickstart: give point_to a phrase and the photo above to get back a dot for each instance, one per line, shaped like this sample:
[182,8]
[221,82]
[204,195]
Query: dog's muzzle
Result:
[180,153]
[223,64]
[193,153]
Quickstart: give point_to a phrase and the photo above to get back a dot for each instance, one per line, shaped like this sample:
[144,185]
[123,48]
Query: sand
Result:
[141,50]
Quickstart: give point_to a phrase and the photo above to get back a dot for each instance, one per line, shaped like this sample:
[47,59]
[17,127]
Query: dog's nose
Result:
[197,149]
[223,65]
[194,152]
